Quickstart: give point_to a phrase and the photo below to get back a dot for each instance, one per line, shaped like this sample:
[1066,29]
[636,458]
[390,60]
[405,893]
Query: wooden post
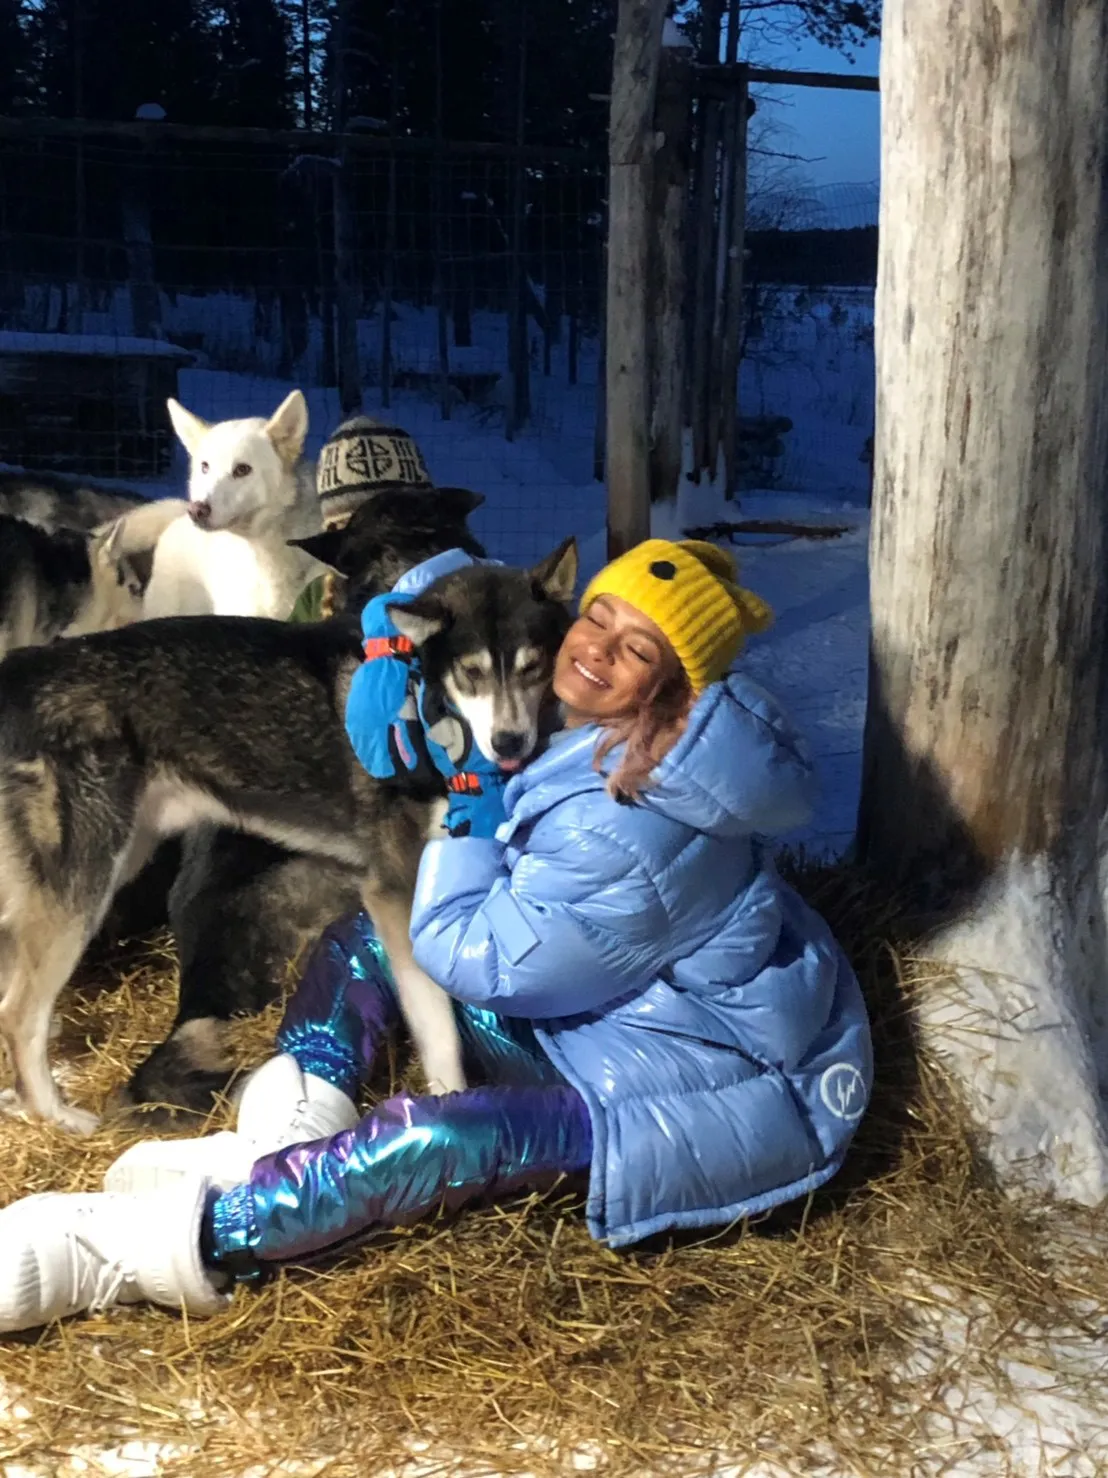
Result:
[631,148]
[731,347]
[146,305]
[731,121]
[704,253]
[672,123]
[986,744]
[600,425]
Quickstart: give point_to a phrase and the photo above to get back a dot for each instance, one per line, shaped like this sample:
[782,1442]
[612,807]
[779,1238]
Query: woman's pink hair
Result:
[649,734]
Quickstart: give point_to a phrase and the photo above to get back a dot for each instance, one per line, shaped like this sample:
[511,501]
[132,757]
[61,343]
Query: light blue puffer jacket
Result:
[704,1012]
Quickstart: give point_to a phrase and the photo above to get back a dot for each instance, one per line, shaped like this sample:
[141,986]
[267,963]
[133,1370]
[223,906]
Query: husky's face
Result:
[239,470]
[487,638]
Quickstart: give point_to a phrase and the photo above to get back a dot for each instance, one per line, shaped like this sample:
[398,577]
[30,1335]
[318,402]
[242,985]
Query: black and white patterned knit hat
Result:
[360,458]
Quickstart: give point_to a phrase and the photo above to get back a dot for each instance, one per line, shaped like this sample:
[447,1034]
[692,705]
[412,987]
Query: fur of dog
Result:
[67,583]
[242,908]
[52,503]
[110,742]
[249,494]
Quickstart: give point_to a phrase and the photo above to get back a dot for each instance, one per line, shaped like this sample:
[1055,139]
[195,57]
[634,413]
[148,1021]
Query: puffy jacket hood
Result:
[739,768]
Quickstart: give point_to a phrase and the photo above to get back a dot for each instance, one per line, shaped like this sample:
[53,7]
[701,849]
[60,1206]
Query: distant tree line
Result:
[413,65]
[814,258]
[259,216]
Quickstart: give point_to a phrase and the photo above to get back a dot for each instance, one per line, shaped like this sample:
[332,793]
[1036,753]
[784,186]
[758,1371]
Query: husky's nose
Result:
[507,744]
[201,512]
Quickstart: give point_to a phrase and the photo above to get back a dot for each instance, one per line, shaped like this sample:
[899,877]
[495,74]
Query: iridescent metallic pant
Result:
[411,1156]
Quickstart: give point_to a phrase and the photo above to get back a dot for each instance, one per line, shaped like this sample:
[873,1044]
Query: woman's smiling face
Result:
[612,661]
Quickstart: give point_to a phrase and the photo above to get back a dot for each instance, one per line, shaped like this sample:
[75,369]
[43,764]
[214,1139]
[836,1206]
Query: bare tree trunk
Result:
[986,750]
[518,357]
[79,200]
[631,152]
[438,212]
[388,276]
[600,425]
[306,60]
[346,270]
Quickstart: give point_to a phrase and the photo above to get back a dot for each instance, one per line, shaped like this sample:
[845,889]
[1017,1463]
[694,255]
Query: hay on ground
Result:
[509,1339]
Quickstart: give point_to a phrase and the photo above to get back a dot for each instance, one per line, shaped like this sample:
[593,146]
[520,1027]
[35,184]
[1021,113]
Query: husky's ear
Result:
[327,547]
[189,428]
[288,426]
[420,619]
[556,575]
[458,503]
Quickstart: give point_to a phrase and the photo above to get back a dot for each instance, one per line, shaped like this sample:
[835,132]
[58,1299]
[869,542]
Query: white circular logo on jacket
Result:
[843,1090]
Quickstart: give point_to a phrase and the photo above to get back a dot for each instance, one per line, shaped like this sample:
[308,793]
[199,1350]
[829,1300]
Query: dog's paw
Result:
[75,1120]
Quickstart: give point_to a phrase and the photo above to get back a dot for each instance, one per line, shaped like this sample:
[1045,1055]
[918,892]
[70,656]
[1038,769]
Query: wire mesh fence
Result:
[138,262]
[208,264]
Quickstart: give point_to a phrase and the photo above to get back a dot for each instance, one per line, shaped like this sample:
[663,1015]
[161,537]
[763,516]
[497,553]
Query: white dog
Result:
[248,493]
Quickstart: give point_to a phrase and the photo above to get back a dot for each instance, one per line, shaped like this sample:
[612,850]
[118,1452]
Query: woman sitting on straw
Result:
[650,1006]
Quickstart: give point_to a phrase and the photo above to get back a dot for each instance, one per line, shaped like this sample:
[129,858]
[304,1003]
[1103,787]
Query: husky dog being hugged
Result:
[242,907]
[110,742]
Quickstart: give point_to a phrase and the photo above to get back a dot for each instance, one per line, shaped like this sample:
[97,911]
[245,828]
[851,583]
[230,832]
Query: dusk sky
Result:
[836,132]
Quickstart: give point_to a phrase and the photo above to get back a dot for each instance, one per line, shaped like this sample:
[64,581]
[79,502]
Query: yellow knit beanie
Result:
[689,590]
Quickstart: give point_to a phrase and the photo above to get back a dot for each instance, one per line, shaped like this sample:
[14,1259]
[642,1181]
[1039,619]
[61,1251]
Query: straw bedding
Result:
[509,1341]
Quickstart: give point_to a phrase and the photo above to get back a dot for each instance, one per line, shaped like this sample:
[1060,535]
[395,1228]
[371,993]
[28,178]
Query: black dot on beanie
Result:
[662,569]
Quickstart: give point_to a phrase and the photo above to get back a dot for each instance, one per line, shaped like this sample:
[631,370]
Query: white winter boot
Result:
[60,1254]
[280,1105]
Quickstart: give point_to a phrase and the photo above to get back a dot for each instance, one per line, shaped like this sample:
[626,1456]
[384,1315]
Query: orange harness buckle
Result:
[387,646]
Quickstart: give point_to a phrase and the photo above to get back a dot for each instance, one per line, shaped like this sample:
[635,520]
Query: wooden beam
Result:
[840,81]
[726,76]
[92,130]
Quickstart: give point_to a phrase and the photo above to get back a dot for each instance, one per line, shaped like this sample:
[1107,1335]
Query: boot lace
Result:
[110,1278]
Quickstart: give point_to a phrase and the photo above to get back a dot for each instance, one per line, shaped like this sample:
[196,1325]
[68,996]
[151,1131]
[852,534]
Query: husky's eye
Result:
[472,672]
[241,469]
[532,672]
[204,468]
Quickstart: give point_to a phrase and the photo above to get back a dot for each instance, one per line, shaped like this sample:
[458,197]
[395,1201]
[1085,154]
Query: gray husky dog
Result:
[110,742]
[68,583]
[51,502]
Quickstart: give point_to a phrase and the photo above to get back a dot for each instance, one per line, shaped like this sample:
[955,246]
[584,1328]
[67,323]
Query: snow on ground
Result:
[1028,1422]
